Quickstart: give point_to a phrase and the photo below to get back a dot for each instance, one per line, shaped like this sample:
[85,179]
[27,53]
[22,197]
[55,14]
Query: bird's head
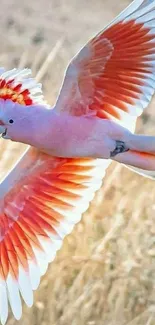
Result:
[18,94]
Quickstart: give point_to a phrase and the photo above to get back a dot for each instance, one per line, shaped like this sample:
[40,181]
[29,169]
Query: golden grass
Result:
[105,272]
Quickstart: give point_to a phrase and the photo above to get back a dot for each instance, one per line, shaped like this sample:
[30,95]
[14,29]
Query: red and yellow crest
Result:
[16,86]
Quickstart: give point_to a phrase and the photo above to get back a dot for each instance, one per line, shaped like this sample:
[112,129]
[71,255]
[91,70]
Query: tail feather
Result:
[145,173]
[141,160]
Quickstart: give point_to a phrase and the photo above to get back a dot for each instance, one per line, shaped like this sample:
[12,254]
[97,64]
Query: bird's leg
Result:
[120,147]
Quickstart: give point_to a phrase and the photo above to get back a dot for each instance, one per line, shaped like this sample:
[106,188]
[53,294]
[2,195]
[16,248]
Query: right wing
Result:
[40,202]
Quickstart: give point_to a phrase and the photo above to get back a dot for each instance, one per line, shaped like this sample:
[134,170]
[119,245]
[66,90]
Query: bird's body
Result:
[107,85]
[46,131]
[98,136]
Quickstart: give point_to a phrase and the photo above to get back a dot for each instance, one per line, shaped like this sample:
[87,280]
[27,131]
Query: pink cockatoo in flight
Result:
[107,85]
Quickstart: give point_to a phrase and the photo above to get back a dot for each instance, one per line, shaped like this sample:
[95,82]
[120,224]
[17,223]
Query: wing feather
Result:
[114,74]
[38,211]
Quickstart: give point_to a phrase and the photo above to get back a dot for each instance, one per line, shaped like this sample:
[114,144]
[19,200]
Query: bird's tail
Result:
[141,162]
[141,156]
[146,173]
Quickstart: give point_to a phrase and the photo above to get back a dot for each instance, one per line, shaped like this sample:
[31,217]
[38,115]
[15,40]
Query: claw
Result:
[120,147]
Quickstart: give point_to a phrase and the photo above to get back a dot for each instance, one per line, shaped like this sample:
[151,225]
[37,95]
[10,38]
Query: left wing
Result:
[113,76]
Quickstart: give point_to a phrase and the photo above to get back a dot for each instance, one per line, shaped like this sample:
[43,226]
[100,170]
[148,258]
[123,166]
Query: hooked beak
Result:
[2,128]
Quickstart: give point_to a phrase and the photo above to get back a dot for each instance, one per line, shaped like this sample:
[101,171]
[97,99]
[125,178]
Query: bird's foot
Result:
[120,147]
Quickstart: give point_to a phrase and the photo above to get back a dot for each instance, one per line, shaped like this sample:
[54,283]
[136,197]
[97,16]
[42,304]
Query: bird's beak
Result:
[2,127]
[2,130]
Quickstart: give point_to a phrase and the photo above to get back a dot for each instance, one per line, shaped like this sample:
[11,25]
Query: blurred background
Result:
[105,272]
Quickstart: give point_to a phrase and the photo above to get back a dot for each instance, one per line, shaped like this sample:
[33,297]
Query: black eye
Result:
[11,121]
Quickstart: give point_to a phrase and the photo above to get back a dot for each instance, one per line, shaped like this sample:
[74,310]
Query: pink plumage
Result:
[107,85]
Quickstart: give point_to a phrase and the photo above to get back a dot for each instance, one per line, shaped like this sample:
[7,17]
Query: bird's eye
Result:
[11,121]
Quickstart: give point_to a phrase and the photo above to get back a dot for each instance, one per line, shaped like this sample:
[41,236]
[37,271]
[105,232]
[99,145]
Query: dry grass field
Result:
[105,272]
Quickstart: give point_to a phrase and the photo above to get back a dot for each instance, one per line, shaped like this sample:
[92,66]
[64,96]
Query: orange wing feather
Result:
[36,214]
[113,75]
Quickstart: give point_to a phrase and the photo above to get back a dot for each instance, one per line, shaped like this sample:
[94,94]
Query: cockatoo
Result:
[106,86]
